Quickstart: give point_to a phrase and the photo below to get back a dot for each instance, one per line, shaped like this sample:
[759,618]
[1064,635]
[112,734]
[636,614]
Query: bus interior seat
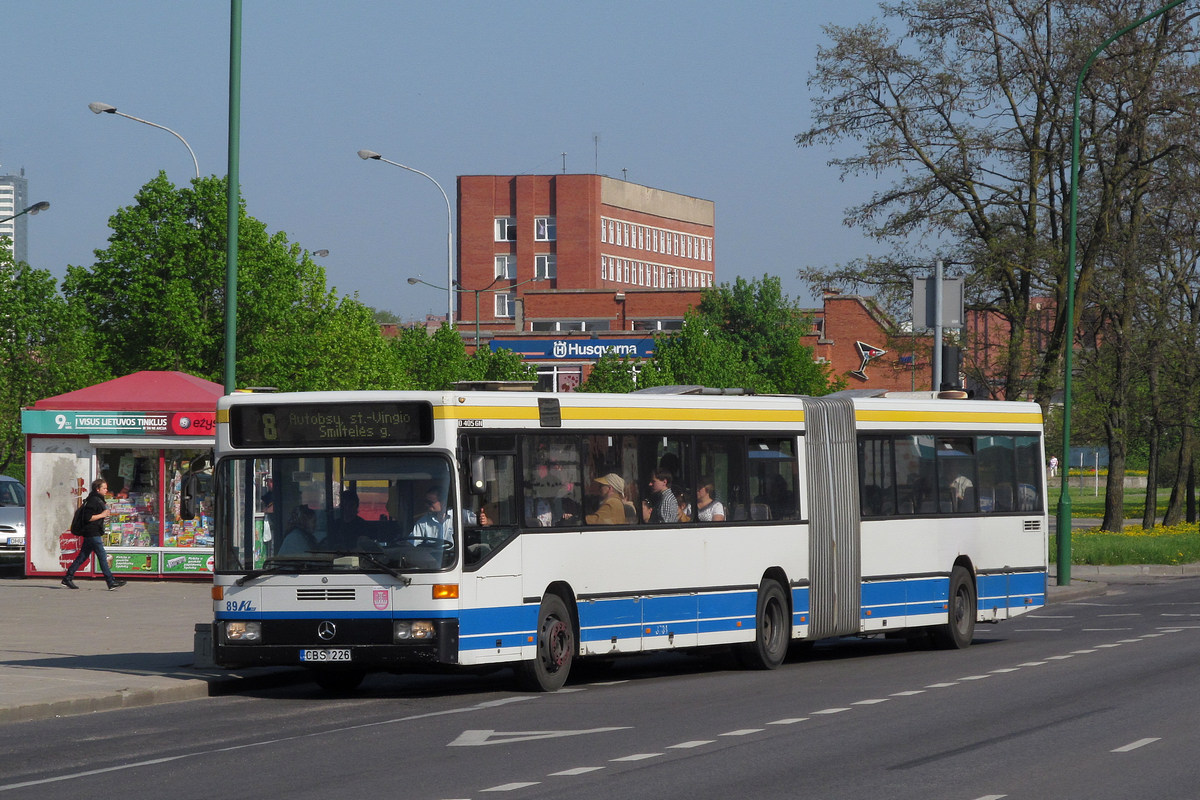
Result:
[760,511]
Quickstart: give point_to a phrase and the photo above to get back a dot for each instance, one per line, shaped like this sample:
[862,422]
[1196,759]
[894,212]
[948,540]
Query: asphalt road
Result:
[1089,699]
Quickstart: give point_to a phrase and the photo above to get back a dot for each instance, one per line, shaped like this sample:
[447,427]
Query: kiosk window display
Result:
[150,436]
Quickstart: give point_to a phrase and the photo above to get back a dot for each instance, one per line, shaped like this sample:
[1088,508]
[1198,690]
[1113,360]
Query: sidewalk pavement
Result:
[66,652]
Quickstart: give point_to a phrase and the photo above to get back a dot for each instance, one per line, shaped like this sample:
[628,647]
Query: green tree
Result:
[437,362]
[47,349]
[156,296]
[746,335]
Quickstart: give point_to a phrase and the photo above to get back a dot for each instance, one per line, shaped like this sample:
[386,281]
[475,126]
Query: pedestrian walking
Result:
[94,511]
[1053,466]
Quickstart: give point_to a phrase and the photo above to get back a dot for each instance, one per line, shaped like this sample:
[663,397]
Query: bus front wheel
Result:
[555,649]
[959,629]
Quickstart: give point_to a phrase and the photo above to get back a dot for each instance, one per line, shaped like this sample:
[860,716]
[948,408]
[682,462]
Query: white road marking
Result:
[742,732]
[831,711]
[1119,615]
[1005,669]
[1117,644]
[689,745]
[1151,635]
[509,787]
[788,721]
[1032,664]
[1039,630]
[991,797]
[1130,641]
[1059,658]
[1082,652]
[974,677]
[940,685]
[1136,745]
[576,771]
[1104,630]
[909,693]
[637,757]
[871,702]
[475,738]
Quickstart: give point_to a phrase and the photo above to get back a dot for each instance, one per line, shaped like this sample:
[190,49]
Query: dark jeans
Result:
[87,546]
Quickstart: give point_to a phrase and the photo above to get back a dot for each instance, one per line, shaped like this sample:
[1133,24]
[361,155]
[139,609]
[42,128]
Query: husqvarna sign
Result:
[576,349]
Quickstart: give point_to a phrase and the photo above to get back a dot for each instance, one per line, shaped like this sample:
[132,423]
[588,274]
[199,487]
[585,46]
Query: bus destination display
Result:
[312,425]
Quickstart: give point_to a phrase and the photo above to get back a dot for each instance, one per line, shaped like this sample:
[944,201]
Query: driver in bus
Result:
[352,525]
[435,524]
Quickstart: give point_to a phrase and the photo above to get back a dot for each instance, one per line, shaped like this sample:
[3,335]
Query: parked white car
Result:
[12,517]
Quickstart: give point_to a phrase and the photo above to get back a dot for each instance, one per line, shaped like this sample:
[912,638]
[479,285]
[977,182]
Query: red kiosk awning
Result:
[141,391]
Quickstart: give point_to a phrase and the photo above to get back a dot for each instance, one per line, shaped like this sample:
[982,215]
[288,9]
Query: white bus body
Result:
[843,516]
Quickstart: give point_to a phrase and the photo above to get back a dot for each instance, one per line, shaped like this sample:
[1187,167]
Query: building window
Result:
[544,229]
[506,229]
[506,303]
[545,267]
[603,231]
[506,267]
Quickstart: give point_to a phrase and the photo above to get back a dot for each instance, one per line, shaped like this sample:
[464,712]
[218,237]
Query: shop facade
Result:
[150,435]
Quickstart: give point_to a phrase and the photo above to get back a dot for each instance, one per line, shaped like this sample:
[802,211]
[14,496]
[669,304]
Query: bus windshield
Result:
[336,512]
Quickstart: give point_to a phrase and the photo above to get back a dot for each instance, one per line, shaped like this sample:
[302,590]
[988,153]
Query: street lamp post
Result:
[476,292]
[105,108]
[1063,528]
[30,210]
[371,155]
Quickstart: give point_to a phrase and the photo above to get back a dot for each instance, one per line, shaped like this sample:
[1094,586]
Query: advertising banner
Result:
[126,423]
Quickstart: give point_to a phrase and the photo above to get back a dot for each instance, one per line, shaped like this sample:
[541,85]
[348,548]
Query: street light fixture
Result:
[371,155]
[105,108]
[30,210]
[456,288]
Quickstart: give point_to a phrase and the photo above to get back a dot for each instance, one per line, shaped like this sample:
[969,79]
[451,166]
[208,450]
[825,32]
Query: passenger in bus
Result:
[612,503]
[435,524]
[352,526]
[708,507]
[778,498]
[661,506]
[685,505]
[488,515]
[302,533]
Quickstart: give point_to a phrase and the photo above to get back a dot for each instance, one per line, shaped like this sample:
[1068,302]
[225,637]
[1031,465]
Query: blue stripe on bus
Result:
[717,612]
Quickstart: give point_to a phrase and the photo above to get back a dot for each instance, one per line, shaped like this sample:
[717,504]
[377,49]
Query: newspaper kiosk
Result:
[150,435]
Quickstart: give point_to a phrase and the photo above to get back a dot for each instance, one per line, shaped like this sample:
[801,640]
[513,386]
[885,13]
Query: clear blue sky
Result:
[701,98]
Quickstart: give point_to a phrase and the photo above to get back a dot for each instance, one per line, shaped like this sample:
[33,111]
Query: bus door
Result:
[834,555]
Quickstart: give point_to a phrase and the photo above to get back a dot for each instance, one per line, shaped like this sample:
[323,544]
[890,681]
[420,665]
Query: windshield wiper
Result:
[272,566]
[372,558]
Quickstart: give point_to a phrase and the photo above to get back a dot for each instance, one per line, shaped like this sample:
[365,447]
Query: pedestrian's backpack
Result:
[78,521]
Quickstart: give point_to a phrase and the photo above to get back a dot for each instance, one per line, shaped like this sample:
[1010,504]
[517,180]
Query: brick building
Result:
[563,267]
[864,346]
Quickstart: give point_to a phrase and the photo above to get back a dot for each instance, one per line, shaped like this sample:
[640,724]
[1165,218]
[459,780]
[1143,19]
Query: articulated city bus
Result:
[406,531]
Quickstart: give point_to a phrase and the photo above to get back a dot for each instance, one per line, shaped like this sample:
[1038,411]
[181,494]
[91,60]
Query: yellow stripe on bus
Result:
[893,415]
[623,414]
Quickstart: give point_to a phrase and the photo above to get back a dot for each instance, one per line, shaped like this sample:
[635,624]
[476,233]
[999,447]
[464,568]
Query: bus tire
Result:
[548,670]
[959,629]
[339,681]
[772,633]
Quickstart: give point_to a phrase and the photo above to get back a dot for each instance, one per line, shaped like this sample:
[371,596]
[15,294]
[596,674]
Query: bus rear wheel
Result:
[772,631]
[959,629]
[555,649]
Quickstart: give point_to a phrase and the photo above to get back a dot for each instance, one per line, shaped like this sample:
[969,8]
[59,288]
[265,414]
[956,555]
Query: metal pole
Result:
[937,327]
[233,193]
[1064,497]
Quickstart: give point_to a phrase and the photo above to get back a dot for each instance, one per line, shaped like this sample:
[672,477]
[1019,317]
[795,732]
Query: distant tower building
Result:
[14,192]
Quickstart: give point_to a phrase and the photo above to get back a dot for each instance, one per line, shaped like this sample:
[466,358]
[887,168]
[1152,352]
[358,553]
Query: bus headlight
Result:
[404,630]
[243,632]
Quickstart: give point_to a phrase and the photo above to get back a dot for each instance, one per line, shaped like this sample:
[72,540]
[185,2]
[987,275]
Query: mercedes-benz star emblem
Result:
[327,630]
